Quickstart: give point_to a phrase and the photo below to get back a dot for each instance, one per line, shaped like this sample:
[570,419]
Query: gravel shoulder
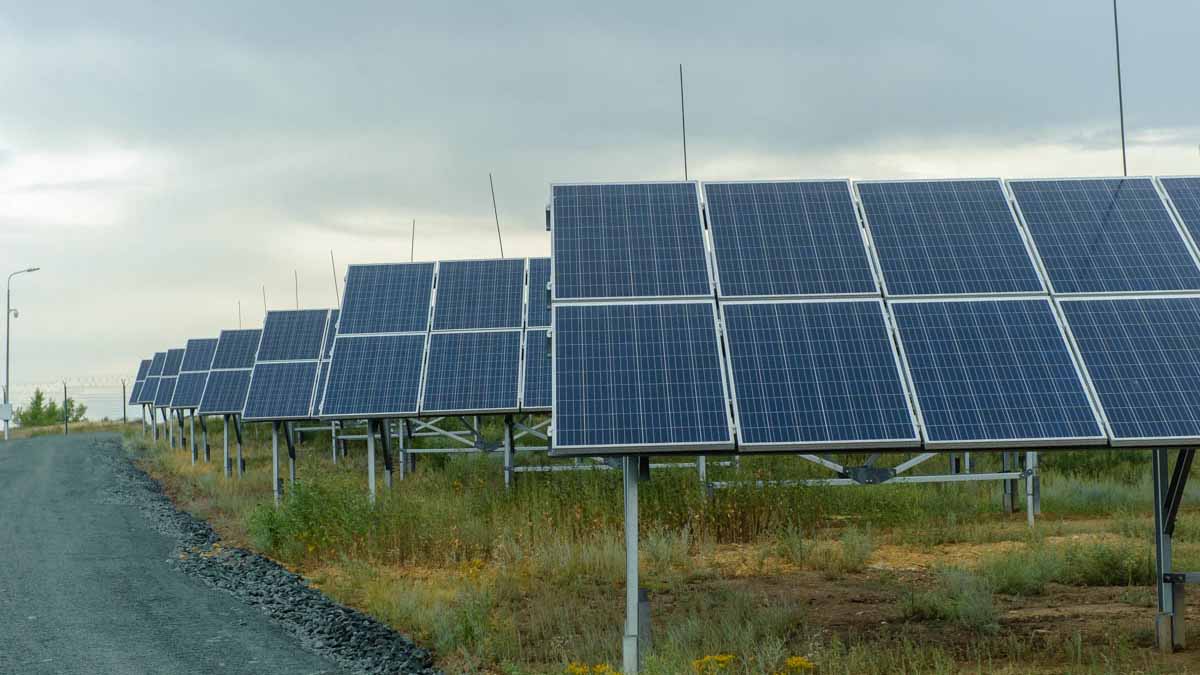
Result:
[99,573]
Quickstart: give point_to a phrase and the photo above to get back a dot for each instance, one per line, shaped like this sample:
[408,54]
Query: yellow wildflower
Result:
[576,668]
[796,664]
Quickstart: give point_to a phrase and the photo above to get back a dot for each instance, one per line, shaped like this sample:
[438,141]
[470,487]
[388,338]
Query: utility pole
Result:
[412,245]
[296,275]
[8,314]
[66,411]
[333,267]
[124,404]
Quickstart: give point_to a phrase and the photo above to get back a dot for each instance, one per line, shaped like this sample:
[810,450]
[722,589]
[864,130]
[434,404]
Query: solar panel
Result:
[638,378]
[198,355]
[1105,236]
[149,389]
[479,294]
[162,395]
[392,298]
[136,390]
[946,237]
[787,238]
[189,389]
[319,392]
[1142,358]
[535,387]
[293,334]
[374,376]
[166,383]
[627,241]
[816,373]
[472,372]
[281,390]
[172,363]
[225,392]
[1184,193]
[539,294]
[193,373]
[157,364]
[993,372]
[236,348]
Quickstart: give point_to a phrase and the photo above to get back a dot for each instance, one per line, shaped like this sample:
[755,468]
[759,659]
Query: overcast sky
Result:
[162,160]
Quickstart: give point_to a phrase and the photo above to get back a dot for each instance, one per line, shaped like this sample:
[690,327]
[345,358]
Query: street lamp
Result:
[9,312]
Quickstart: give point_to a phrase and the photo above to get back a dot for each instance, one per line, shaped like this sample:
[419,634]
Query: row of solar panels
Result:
[456,337]
[809,315]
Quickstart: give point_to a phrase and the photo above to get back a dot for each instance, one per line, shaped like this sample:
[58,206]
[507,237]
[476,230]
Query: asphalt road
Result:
[85,586]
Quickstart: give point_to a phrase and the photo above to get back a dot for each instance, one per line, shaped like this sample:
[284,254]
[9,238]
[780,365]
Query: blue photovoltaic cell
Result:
[157,364]
[143,369]
[172,363]
[628,240]
[330,333]
[787,238]
[189,388]
[993,370]
[539,295]
[374,376]
[947,237]
[166,389]
[1105,236]
[1142,356]
[391,298]
[536,390]
[199,355]
[637,377]
[225,392]
[1185,195]
[281,391]
[479,294]
[149,389]
[236,348]
[816,372]
[291,335]
[469,372]
[150,386]
[135,392]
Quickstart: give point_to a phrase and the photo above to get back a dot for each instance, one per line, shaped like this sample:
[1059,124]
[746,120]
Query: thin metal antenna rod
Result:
[264,299]
[239,314]
[1120,92]
[296,275]
[336,295]
[412,244]
[496,213]
[683,121]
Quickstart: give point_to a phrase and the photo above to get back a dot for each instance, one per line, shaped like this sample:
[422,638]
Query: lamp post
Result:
[8,315]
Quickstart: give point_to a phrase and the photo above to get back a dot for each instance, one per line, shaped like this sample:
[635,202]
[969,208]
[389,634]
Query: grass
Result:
[530,580]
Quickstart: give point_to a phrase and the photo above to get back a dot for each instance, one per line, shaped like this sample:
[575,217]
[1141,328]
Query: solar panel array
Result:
[948,314]
[456,347]
[193,373]
[150,386]
[229,378]
[286,368]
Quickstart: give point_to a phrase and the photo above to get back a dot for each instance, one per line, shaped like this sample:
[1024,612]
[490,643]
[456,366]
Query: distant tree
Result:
[43,413]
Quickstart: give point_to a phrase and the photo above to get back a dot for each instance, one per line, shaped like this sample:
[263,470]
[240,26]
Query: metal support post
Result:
[636,608]
[412,457]
[1031,500]
[143,420]
[225,444]
[508,452]
[385,436]
[1168,624]
[291,447]
[204,439]
[153,422]
[170,430]
[241,463]
[1008,487]
[402,450]
[333,439]
[702,470]
[192,436]
[275,486]
[371,459]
